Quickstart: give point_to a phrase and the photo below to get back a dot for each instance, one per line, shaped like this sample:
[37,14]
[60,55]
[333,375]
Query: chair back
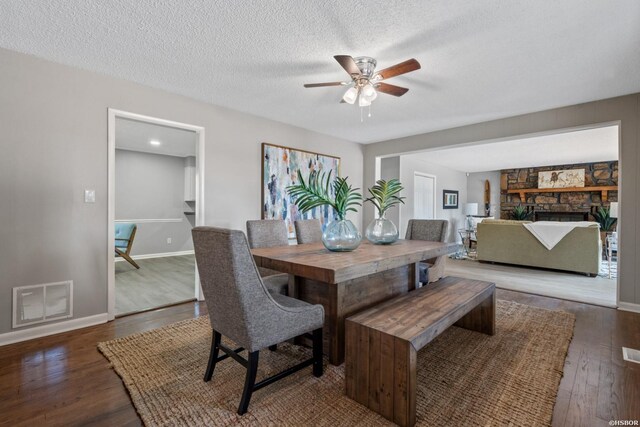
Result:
[433,230]
[239,304]
[125,231]
[308,231]
[267,233]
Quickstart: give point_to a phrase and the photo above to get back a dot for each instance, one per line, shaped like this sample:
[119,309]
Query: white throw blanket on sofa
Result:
[549,233]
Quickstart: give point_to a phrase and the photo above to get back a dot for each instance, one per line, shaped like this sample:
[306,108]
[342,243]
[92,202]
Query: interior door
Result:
[424,196]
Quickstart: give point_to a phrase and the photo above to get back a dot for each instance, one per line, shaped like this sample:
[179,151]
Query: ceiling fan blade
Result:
[348,64]
[324,84]
[391,89]
[401,68]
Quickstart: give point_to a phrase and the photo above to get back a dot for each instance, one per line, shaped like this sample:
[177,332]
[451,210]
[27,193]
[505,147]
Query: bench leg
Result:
[482,318]
[380,373]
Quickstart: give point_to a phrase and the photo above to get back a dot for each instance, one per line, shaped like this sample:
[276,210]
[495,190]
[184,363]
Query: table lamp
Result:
[613,213]
[470,209]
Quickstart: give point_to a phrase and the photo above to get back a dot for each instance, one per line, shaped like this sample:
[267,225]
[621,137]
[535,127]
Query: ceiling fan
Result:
[366,82]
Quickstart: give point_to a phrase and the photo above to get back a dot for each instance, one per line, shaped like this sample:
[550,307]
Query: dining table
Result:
[346,283]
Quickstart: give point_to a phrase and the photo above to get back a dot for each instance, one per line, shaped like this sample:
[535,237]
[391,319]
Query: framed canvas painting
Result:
[568,178]
[449,199]
[280,166]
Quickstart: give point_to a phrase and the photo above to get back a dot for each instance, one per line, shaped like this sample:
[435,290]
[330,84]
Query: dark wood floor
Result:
[63,380]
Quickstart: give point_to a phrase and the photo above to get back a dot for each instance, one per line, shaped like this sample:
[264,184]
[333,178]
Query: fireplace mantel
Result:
[603,190]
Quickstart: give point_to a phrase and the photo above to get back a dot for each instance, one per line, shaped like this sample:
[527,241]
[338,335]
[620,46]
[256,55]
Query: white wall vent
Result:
[42,303]
[631,355]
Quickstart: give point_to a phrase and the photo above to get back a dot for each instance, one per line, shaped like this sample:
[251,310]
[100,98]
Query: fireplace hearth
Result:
[561,216]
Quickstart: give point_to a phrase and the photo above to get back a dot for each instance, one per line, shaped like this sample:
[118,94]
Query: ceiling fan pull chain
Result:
[361,116]
[369,110]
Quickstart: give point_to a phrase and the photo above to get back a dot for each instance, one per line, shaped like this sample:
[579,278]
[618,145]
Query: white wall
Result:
[446,179]
[151,187]
[475,191]
[53,122]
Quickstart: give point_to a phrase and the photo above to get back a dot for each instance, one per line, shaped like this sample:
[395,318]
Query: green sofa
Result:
[509,242]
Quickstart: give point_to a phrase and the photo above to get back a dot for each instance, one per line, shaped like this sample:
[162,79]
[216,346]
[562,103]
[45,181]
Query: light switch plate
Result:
[89,196]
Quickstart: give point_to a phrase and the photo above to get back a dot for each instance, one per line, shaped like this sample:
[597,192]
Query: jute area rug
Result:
[464,378]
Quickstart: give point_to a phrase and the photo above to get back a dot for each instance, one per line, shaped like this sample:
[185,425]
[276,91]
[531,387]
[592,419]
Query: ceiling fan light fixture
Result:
[364,101]
[369,92]
[350,95]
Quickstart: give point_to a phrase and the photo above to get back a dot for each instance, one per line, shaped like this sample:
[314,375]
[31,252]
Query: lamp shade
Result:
[471,209]
[613,210]
[350,95]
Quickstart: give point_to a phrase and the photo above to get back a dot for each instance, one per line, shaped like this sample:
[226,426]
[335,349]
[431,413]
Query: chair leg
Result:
[273,347]
[317,352]
[249,382]
[127,258]
[213,355]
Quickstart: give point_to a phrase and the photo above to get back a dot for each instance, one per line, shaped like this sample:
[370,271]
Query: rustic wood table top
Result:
[314,261]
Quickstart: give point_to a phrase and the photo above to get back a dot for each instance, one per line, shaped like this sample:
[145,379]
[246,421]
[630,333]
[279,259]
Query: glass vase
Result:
[381,231]
[341,236]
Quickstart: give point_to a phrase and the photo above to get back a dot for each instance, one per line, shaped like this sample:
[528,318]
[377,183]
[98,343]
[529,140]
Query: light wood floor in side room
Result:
[569,286]
[158,282]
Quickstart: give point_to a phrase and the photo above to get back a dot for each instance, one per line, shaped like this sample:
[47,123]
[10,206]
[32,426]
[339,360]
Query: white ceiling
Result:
[584,146]
[481,60]
[136,136]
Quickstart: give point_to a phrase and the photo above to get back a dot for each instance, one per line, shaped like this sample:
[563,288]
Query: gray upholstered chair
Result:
[242,309]
[434,230]
[267,233]
[308,231]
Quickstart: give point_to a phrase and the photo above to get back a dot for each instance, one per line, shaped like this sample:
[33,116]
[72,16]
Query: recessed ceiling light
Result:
[154,142]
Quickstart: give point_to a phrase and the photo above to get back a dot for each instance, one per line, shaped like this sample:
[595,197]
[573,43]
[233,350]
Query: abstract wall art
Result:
[280,167]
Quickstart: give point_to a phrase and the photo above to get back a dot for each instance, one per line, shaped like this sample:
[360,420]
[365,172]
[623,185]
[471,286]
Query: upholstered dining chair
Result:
[267,233]
[308,231]
[243,310]
[433,230]
[125,233]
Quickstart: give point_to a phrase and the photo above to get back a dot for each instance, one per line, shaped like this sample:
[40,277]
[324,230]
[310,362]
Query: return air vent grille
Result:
[631,355]
[42,303]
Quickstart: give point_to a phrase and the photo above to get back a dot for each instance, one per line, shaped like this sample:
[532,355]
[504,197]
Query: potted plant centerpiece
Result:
[340,235]
[384,195]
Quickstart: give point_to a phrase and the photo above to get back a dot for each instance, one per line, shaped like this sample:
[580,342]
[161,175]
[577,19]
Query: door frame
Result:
[113,114]
[435,191]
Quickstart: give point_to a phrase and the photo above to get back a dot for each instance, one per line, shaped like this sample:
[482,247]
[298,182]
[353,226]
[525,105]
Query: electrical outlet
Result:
[89,196]
[168,240]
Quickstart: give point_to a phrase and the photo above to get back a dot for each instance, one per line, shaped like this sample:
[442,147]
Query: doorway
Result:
[507,176]
[155,198]
[424,196]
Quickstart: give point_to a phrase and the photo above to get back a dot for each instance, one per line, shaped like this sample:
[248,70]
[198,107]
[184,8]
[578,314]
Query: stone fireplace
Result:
[558,206]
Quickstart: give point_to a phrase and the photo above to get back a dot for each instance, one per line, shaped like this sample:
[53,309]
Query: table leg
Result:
[344,299]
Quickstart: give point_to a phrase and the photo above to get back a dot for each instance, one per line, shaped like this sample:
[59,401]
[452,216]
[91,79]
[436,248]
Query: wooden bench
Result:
[382,342]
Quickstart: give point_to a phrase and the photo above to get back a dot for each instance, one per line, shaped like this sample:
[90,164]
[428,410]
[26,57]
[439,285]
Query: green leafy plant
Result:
[384,195]
[317,192]
[603,218]
[520,213]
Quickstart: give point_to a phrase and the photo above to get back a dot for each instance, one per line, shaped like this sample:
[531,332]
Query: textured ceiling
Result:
[136,136]
[583,146]
[481,60]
